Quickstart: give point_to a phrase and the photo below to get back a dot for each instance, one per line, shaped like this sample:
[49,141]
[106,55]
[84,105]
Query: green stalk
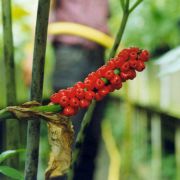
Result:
[33,133]
[12,125]
[80,139]
[119,34]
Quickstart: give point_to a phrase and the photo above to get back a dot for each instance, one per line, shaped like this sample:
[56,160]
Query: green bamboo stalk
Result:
[12,125]
[177,155]
[33,133]
[156,147]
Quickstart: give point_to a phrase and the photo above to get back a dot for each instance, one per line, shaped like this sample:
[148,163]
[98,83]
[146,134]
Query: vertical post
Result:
[177,146]
[156,147]
[12,125]
[129,111]
[33,132]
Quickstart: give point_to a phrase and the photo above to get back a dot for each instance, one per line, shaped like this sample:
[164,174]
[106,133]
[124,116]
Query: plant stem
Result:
[119,34]
[80,139]
[12,125]
[135,5]
[33,133]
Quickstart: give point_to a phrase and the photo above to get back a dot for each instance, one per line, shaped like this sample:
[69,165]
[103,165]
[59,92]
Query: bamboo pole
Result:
[12,125]
[156,147]
[177,146]
[33,133]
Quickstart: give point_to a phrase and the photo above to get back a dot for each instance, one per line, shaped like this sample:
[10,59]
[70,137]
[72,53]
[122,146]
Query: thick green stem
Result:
[80,139]
[33,133]
[12,125]
[119,34]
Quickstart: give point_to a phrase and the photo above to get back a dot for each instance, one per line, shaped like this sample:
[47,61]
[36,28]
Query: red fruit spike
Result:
[133,63]
[79,93]
[55,98]
[144,56]
[99,83]
[131,74]
[74,102]
[125,67]
[140,66]
[64,101]
[84,103]
[89,95]
[69,111]
[116,80]
[109,74]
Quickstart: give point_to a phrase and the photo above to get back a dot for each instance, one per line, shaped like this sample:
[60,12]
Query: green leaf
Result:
[9,153]
[11,172]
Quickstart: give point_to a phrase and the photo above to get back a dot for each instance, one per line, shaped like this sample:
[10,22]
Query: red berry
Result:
[88,83]
[84,103]
[69,111]
[133,55]
[64,101]
[79,85]
[116,80]
[99,83]
[89,95]
[144,56]
[93,76]
[124,54]
[111,64]
[55,98]
[102,70]
[109,74]
[131,74]
[79,93]
[125,67]
[71,92]
[124,76]
[140,66]
[117,86]
[62,92]
[104,91]
[134,49]
[98,97]
[133,63]
[74,102]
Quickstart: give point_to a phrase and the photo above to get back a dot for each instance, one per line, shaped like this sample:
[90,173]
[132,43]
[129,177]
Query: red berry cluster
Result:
[98,84]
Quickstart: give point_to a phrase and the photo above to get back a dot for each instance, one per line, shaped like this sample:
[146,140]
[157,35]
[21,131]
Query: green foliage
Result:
[153,23]
[11,172]
[10,153]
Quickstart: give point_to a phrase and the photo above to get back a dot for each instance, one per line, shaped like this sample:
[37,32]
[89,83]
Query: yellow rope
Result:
[82,31]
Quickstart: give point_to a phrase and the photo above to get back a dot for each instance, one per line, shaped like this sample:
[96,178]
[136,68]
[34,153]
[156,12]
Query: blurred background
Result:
[141,127]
